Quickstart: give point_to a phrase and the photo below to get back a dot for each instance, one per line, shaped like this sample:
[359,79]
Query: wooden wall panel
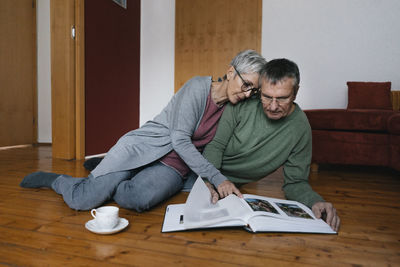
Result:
[62,16]
[209,33]
[18,94]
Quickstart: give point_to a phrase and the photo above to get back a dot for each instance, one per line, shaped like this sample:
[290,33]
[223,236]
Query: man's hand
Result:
[226,188]
[214,194]
[326,209]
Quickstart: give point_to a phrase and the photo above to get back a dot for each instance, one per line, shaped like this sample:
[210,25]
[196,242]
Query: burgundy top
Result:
[201,137]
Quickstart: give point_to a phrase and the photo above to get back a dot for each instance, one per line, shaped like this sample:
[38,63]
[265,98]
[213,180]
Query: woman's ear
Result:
[230,73]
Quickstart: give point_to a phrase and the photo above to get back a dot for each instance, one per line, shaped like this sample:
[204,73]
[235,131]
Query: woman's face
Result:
[236,90]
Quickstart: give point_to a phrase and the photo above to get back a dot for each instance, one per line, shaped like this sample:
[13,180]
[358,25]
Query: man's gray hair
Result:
[278,69]
[248,61]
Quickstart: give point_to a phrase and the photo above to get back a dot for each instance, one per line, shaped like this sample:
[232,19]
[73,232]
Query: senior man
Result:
[257,136]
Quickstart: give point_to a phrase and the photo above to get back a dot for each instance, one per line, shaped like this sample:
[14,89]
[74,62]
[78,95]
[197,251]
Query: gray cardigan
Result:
[171,130]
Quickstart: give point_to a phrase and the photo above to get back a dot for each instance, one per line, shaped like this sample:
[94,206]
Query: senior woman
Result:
[149,164]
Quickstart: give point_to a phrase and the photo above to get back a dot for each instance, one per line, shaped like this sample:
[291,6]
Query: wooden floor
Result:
[38,229]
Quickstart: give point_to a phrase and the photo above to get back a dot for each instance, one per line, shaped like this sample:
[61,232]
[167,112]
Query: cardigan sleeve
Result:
[187,110]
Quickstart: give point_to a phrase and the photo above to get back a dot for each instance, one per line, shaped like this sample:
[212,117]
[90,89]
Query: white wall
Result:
[43,71]
[157,40]
[334,42]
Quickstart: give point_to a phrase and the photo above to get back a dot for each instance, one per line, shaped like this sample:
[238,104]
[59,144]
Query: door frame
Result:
[67,79]
[80,79]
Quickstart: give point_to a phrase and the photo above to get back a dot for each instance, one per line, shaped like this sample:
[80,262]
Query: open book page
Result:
[282,208]
[199,211]
[274,215]
[174,220]
[279,208]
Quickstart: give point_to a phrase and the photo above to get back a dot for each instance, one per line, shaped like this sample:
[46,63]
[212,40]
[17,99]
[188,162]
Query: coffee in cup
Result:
[106,217]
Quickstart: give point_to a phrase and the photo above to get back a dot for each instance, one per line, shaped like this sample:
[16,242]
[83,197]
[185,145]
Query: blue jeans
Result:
[139,189]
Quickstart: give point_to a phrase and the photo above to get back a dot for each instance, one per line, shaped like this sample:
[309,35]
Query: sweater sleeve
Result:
[188,107]
[214,150]
[296,171]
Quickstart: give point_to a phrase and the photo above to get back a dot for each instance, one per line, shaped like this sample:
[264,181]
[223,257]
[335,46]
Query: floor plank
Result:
[38,229]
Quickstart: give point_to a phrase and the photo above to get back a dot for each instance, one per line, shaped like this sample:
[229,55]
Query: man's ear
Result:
[296,90]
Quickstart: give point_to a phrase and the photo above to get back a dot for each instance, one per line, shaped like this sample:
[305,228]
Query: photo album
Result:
[253,213]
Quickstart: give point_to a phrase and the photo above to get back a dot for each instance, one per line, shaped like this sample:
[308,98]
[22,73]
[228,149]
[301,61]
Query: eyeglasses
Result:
[247,86]
[281,100]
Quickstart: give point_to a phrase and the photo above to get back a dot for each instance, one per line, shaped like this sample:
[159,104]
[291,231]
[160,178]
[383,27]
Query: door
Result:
[18,106]
[112,64]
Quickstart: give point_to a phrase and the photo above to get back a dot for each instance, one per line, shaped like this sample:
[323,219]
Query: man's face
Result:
[277,99]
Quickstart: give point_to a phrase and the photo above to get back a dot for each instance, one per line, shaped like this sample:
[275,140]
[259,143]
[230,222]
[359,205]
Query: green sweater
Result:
[248,146]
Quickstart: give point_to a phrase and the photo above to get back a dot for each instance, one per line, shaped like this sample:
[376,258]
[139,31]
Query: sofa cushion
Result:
[369,95]
[373,120]
[358,148]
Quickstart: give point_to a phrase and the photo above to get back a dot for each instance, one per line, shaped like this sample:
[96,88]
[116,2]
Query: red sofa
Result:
[366,133]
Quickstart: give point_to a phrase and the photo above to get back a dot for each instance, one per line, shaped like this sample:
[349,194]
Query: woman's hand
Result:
[214,194]
[226,188]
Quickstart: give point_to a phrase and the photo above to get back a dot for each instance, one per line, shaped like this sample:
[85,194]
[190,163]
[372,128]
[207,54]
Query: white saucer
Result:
[91,226]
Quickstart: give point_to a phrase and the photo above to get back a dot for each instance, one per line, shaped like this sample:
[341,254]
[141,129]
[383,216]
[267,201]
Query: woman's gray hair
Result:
[248,61]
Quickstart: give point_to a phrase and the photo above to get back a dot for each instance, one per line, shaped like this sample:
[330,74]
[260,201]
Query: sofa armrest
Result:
[394,123]
[395,97]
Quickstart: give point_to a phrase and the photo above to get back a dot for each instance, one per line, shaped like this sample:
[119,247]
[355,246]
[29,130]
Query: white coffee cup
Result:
[106,217]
